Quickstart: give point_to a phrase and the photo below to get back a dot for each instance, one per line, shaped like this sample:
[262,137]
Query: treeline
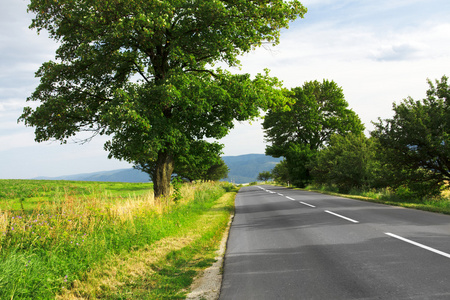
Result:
[323,142]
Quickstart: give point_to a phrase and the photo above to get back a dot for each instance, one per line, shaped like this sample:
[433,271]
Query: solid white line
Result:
[290,198]
[418,244]
[307,204]
[340,216]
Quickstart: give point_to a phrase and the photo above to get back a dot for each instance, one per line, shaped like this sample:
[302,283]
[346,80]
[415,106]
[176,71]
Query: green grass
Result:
[52,248]
[171,276]
[27,195]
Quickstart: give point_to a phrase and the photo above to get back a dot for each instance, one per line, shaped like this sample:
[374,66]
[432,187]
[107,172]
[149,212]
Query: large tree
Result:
[318,110]
[416,141]
[142,72]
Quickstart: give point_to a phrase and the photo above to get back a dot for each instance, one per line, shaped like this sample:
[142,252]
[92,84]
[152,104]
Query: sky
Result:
[379,52]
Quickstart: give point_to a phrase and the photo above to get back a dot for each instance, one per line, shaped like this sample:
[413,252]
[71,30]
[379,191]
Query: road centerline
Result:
[418,244]
[290,198]
[341,216]
[307,204]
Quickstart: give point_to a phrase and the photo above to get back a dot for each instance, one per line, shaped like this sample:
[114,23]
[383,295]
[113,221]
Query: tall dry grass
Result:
[49,248]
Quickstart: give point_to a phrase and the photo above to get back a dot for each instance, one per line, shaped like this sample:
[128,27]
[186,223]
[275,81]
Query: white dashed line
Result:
[341,216]
[290,198]
[418,244]
[307,204]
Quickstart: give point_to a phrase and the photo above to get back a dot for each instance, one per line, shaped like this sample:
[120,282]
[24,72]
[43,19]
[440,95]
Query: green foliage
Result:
[176,184]
[280,172]
[46,250]
[204,167]
[348,162]
[299,158]
[318,110]
[264,176]
[142,72]
[415,143]
[217,171]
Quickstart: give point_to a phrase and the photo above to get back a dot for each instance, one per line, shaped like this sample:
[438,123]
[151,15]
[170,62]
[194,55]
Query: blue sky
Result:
[379,52]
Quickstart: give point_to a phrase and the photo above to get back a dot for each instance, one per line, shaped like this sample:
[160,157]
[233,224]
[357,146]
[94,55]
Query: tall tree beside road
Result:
[416,141]
[319,111]
[141,72]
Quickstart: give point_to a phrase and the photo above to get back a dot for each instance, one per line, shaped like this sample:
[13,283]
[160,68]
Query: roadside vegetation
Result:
[404,198]
[107,240]
[405,160]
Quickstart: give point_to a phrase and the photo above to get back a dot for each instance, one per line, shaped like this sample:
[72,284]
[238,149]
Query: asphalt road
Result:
[290,244]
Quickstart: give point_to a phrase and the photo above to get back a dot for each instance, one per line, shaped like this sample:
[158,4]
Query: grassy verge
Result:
[164,270]
[385,196]
[94,248]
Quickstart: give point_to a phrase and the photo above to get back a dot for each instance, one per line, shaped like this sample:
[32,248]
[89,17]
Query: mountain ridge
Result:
[243,169]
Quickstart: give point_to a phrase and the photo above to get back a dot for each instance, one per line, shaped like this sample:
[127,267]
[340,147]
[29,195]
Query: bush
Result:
[348,163]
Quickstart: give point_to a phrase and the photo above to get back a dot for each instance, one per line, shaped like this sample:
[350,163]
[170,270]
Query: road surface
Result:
[290,244]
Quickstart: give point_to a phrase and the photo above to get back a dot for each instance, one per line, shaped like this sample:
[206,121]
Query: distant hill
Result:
[243,169]
[120,175]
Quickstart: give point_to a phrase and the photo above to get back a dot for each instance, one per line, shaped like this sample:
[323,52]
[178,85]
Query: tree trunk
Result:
[162,174]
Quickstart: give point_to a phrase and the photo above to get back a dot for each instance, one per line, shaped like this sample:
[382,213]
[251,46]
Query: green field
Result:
[29,194]
[59,239]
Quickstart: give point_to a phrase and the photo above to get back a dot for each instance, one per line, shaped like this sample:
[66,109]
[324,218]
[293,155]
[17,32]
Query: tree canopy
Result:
[317,111]
[416,141]
[264,176]
[348,162]
[142,72]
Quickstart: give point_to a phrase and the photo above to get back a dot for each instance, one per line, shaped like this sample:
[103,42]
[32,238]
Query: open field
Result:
[110,240]
[28,194]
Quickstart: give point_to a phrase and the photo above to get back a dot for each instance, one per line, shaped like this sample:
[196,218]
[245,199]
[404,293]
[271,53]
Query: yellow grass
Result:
[127,268]
[4,221]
